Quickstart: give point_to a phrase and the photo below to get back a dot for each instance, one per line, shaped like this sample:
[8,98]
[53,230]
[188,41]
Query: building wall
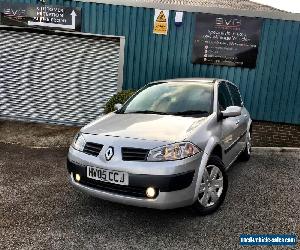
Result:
[271,91]
[269,134]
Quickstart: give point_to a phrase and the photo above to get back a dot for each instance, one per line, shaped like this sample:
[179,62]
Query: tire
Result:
[246,153]
[213,194]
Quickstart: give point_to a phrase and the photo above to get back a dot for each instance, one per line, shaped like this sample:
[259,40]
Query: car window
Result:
[224,97]
[235,94]
[178,98]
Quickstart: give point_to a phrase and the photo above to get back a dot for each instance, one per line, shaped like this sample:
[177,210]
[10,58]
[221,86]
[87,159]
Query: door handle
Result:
[246,116]
[237,122]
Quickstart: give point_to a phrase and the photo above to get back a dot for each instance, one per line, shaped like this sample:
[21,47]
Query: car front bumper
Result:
[174,181]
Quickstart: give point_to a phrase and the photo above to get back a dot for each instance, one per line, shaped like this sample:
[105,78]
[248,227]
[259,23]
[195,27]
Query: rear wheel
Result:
[245,155]
[213,187]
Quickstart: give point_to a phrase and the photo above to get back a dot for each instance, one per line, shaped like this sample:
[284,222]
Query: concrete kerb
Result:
[276,149]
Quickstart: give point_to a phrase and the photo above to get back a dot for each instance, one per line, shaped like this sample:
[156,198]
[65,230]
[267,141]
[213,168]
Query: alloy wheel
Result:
[211,186]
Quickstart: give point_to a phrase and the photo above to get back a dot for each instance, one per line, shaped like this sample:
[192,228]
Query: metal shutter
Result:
[57,77]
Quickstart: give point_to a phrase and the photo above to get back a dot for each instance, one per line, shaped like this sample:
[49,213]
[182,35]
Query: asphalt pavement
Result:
[40,210]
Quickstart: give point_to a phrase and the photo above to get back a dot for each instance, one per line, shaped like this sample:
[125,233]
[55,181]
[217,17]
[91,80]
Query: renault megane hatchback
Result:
[168,146]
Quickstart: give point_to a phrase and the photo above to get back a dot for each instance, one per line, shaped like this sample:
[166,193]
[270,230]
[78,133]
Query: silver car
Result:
[168,146]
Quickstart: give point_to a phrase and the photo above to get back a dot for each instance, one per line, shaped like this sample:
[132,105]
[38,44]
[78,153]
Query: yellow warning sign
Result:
[161,18]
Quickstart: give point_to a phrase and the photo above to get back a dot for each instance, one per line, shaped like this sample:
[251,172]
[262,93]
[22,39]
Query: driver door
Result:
[229,126]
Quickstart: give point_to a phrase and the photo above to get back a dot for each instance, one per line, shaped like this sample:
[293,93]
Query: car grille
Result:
[134,154]
[114,188]
[92,148]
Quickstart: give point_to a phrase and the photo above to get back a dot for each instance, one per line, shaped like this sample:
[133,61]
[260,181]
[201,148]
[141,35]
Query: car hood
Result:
[165,128]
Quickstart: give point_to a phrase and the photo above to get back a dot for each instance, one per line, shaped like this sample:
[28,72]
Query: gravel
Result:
[36,134]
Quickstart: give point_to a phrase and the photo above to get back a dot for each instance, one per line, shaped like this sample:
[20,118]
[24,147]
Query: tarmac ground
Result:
[40,210]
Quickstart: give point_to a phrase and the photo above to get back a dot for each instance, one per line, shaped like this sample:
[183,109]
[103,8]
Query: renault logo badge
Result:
[109,153]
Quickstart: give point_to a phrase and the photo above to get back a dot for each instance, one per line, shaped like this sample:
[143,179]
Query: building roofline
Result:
[189,8]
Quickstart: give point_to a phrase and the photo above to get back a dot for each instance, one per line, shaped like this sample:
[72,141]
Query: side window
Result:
[235,94]
[224,98]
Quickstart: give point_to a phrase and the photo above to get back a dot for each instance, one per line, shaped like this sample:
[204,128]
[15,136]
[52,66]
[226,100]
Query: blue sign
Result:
[268,240]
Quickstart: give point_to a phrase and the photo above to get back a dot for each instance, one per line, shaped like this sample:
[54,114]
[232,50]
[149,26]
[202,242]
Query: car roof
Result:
[199,80]
[193,79]
[209,81]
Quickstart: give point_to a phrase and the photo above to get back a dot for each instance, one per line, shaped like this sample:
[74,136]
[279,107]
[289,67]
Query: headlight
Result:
[78,142]
[173,152]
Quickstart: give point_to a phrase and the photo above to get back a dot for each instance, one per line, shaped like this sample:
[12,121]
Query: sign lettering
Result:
[17,14]
[226,40]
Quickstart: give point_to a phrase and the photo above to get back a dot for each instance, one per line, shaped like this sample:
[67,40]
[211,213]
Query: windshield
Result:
[172,98]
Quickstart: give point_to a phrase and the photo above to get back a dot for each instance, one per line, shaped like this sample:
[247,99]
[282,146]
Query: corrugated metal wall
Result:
[271,91]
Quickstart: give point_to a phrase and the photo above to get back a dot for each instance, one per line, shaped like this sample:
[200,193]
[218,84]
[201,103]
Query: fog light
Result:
[77,177]
[150,192]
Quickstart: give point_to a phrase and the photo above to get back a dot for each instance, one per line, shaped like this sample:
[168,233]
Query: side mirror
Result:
[231,111]
[118,106]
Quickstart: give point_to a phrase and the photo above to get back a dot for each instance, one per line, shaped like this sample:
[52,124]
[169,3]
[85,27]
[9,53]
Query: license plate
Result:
[106,175]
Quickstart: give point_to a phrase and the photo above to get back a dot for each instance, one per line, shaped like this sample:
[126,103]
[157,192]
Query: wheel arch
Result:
[217,150]
[212,146]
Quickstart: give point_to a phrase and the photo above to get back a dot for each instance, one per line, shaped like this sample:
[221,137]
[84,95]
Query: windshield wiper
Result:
[190,112]
[183,113]
[148,112]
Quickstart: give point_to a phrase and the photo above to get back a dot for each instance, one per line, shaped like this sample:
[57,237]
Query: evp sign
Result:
[226,40]
[223,22]
[18,14]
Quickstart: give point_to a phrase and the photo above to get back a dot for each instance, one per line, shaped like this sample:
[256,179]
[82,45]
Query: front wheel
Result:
[213,187]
